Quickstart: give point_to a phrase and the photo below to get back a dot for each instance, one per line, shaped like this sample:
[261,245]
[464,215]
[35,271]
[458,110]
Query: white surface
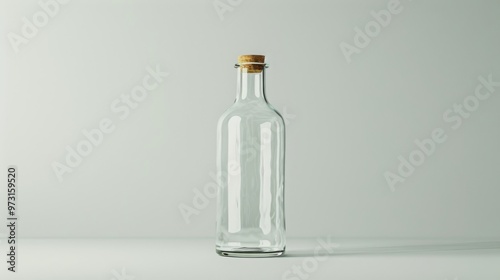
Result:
[94,259]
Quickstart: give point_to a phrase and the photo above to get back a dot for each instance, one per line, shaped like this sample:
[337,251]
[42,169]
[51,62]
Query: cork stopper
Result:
[246,61]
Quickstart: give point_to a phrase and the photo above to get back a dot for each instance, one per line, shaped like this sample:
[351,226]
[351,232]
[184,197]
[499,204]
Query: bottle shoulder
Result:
[252,112]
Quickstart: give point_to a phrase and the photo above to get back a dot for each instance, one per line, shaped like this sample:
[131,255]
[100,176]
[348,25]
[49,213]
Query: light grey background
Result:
[348,122]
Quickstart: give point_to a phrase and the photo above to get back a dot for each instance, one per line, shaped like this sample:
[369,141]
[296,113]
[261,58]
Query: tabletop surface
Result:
[313,258]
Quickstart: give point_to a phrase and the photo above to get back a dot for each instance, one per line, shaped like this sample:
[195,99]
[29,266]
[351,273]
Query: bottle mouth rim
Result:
[265,65]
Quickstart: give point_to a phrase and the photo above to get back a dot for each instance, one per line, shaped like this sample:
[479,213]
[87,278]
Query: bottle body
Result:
[250,163]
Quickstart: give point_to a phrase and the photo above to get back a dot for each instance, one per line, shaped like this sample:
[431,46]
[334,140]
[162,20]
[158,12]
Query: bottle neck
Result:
[251,86]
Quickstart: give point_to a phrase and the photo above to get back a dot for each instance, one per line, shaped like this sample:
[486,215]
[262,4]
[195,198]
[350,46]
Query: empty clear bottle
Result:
[250,163]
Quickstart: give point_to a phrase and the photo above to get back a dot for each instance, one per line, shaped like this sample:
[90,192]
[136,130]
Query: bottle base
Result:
[250,253]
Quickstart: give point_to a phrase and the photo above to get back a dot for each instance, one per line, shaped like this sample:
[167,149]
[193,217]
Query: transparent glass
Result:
[251,166]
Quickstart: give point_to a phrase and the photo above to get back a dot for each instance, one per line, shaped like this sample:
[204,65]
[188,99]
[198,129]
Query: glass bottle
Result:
[250,165]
